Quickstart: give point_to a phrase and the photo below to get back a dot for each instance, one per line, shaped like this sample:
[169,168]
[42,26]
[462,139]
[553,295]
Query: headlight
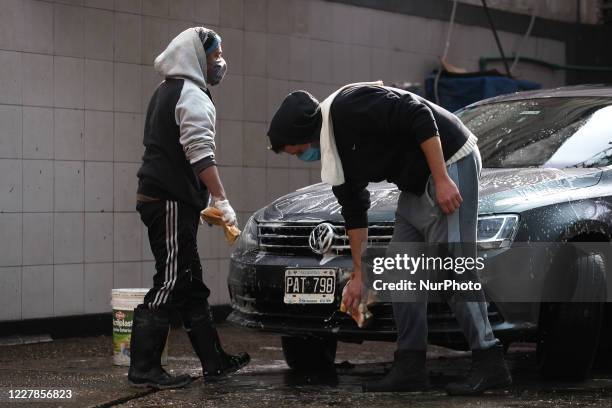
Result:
[496,231]
[248,239]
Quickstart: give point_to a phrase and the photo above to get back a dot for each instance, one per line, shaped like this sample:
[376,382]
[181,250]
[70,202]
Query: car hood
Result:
[318,203]
[501,190]
[517,190]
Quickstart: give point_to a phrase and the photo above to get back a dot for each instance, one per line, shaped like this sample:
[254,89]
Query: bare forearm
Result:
[432,148]
[358,238]
[210,178]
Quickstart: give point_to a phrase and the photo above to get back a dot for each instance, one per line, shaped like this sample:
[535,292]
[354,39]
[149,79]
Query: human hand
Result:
[229,215]
[447,195]
[351,296]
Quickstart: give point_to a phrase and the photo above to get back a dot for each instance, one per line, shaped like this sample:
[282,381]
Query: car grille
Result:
[292,238]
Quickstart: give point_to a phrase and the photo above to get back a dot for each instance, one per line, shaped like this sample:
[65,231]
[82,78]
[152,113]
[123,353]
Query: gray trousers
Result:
[420,219]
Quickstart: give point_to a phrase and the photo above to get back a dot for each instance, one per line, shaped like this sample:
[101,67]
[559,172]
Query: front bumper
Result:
[256,287]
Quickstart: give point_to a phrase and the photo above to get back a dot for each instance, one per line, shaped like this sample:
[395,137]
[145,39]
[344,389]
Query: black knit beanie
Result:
[296,121]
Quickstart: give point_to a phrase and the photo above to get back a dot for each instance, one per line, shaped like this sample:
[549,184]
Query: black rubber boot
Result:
[408,374]
[216,363]
[488,371]
[149,334]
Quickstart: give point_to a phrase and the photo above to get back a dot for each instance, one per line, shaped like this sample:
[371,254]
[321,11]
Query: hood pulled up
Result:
[184,58]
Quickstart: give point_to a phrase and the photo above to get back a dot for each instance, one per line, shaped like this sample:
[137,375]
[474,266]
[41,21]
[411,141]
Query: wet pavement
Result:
[84,367]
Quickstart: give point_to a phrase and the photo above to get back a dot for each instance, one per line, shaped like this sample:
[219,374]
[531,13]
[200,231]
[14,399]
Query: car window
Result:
[551,132]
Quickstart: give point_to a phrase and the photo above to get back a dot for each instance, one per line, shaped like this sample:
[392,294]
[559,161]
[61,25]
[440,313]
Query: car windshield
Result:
[547,132]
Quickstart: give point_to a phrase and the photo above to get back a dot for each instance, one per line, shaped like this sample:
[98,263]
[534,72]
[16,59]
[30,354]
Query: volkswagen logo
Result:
[321,238]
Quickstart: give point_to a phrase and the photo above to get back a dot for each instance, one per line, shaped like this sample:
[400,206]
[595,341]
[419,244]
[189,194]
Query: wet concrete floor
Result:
[83,366]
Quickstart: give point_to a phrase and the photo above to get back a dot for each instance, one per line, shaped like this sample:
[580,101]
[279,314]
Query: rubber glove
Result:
[229,215]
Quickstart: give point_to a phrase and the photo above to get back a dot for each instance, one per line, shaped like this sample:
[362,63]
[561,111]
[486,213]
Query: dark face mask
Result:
[216,72]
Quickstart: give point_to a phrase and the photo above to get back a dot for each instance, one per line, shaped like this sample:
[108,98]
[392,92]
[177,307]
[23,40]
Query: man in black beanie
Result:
[369,133]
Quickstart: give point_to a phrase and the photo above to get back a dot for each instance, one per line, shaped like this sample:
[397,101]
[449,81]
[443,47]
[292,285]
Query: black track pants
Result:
[172,229]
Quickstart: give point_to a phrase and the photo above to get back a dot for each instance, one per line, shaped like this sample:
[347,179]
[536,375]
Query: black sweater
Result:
[378,132]
[166,173]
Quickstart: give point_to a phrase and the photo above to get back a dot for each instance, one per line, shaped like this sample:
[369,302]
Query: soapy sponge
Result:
[362,316]
[214,216]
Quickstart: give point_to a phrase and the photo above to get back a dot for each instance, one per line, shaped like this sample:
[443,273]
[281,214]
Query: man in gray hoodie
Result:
[177,175]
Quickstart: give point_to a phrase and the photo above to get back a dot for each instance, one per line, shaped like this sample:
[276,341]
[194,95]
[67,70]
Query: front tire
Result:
[569,331]
[310,353]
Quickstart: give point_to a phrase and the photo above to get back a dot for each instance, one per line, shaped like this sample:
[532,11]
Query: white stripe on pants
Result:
[172,253]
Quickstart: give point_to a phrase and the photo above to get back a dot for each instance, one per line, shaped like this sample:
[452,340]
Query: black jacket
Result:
[178,145]
[378,132]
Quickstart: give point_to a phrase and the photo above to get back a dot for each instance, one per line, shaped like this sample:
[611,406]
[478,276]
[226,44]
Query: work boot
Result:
[216,363]
[408,374]
[488,371]
[149,334]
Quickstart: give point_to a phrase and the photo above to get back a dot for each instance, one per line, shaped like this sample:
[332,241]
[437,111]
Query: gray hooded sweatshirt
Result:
[179,134]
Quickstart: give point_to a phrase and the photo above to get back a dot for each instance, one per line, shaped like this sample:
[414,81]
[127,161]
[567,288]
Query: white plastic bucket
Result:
[123,302]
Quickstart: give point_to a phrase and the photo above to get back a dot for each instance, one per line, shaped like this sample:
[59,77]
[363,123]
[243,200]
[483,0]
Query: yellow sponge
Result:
[214,216]
[362,316]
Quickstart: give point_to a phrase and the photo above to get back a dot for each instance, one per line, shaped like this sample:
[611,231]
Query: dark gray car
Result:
[547,178]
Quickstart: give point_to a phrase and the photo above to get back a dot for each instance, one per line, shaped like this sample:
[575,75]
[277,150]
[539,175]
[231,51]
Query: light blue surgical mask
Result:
[311,154]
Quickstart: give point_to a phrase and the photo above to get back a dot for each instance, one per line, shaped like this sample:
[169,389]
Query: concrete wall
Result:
[75,79]
[561,10]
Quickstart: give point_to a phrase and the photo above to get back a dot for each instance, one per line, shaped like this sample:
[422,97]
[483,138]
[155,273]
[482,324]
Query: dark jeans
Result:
[172,229]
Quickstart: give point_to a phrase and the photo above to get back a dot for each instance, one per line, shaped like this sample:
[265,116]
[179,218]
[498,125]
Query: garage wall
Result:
[75,79]
[562,10]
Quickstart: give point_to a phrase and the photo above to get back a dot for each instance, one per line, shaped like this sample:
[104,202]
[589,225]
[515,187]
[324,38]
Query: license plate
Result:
[310,285]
